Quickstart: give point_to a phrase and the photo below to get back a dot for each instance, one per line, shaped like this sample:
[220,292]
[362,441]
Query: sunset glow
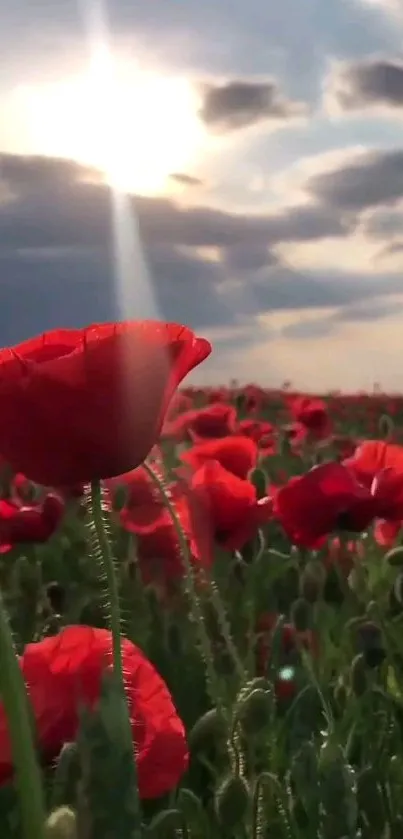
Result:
[137,129]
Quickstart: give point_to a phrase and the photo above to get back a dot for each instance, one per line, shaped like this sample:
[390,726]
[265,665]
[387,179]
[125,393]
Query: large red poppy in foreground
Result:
[65,671]
[80,405]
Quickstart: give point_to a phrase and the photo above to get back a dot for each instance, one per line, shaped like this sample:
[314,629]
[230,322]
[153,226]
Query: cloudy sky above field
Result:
[256,156]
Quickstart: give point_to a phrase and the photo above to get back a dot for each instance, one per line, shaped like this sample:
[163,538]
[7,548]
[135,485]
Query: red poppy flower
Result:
[371,457]
[179,403]
[229,505]
[312,414]
[325,499]
[88,404]
[261,432]
[65,671]
[217,420]
[26,524]
[236,454]
[157,543]
[144,502]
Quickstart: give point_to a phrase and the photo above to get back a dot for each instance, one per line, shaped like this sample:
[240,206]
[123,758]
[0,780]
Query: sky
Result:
[234,166]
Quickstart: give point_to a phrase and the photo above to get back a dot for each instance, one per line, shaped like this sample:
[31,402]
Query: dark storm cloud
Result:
[240,104]
[57,262]
[371,179]
[185,180]
[363,84]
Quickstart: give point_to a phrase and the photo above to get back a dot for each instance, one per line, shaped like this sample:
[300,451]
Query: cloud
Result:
[358,85]
[360,180]
[66,205]
[209,268]
[235,104]
[384,224]
[365,311]
[185,180]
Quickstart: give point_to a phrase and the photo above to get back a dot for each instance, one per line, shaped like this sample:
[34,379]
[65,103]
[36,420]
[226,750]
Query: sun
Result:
[136,127]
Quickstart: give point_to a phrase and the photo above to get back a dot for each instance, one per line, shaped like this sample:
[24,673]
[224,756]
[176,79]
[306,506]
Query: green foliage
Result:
[287,740]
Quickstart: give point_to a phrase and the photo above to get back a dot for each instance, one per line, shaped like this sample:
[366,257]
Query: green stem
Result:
[106,556]
[207,653]
[28,777]
[109,569]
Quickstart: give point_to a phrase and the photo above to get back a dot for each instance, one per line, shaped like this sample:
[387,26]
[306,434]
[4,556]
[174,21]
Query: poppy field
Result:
[201,610]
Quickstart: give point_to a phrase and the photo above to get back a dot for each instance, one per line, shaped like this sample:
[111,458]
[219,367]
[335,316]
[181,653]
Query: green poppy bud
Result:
[232,802]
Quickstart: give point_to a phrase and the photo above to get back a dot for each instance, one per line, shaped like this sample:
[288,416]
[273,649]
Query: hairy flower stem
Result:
[112,583]
[13,694]
[106,557]
[204,640]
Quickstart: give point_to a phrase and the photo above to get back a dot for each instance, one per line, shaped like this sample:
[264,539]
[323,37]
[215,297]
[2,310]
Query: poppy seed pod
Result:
[61,824]
[232,801]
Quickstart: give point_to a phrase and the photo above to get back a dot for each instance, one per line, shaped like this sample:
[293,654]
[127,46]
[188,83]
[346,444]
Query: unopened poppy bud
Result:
[67,772]
[284,444]
[61,824]
[358,675]
[56,596]
[259,480]
[207,729]
[357,580]
[259,683]
[395,557]
[240,402]
[232,802]
[301,615]
[386,426]
[28,576]
[191,806]
[371,643]
[254,712]
[398,589]
[166,824]
[312,581]
[370,800]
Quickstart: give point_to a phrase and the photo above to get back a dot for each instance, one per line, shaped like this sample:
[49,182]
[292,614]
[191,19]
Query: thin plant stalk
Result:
[15,702]
[107,560]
